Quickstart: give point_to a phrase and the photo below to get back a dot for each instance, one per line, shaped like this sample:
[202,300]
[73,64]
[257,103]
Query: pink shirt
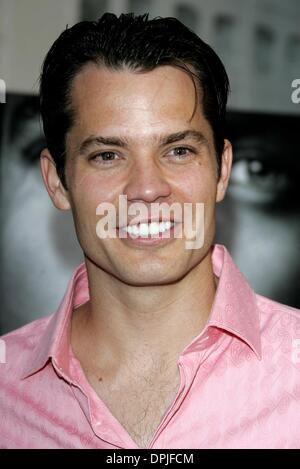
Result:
[240,379]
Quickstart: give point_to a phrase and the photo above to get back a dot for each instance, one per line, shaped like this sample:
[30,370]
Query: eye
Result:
[259,172]
[181,153]
[258,181]
[105,157]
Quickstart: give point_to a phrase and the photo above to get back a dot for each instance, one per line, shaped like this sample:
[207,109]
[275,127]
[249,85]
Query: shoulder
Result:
[17,347]
[280,327]
[27,334]
[270,309]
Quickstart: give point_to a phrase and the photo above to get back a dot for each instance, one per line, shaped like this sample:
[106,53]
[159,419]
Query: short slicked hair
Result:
[139,44]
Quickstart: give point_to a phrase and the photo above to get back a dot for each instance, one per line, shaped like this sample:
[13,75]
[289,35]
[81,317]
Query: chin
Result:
[149,282]
[151,276]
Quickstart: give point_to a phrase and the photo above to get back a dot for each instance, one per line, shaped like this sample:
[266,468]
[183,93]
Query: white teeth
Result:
[146,229]
[143,229]
[135,230]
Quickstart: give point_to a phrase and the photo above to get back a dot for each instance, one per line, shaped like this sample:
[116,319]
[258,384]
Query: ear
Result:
[55,189]
[225,171]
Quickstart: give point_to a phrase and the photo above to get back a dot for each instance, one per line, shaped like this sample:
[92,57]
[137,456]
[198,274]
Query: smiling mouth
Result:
[149,234]
[144,230]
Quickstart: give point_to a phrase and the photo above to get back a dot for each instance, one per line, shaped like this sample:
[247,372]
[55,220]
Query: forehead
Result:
[135,103]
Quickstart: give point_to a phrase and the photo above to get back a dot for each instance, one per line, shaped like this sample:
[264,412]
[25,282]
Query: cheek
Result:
[198,185]
[89,190]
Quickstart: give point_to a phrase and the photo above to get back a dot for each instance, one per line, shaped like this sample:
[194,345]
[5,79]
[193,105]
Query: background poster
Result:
[259,222]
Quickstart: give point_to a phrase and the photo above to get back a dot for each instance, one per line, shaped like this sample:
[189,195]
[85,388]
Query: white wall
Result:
[27,30]
[29,27]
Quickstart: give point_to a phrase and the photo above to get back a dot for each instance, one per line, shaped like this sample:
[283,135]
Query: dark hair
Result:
[139,44]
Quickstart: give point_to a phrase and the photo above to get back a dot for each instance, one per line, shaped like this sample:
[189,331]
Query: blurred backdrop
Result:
[259,43]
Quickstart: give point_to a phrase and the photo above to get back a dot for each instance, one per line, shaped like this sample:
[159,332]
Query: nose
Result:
[147,182]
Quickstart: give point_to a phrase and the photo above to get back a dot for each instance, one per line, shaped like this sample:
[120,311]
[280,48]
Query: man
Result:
[159,341]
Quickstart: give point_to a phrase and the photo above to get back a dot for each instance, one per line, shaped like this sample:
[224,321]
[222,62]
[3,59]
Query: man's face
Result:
[139,112]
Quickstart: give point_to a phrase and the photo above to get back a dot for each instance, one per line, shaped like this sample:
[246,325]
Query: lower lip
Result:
[151,240]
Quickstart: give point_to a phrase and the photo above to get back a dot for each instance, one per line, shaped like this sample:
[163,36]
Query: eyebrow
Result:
[163,140]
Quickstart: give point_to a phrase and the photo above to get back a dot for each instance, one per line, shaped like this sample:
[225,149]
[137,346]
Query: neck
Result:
[121,321]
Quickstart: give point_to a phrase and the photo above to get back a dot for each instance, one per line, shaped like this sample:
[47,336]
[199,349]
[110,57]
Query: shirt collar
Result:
[235,306]
[234,310]
[54,342]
